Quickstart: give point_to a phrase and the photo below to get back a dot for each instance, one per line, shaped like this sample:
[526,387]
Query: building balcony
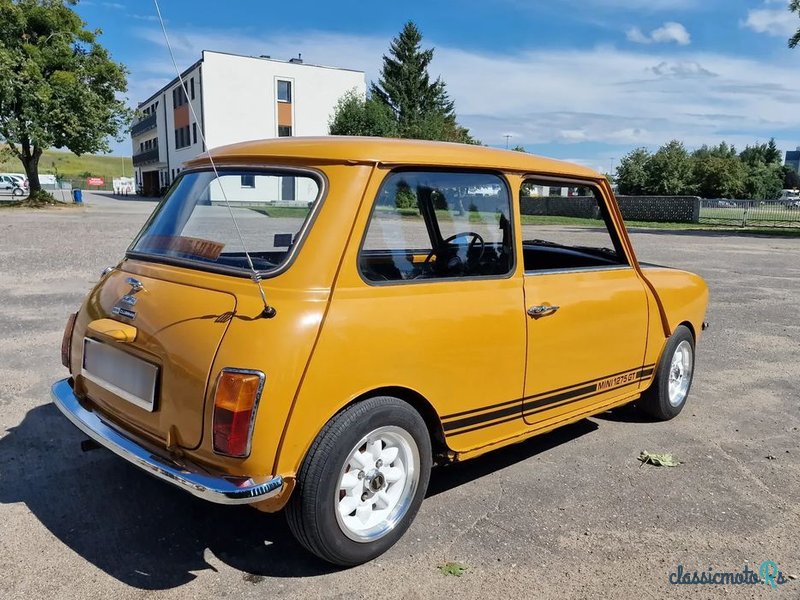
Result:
[144,125]
[143,158]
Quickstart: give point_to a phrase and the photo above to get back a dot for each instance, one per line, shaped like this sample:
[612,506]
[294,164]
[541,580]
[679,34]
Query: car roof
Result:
[389,151]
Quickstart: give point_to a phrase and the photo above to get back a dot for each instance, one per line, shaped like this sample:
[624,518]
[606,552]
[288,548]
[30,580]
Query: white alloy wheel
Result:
[680,373]
[377,484]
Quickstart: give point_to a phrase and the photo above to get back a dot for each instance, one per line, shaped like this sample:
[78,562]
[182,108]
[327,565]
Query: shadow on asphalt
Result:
[151,536]
[627,413]
[129,197]
[446,478]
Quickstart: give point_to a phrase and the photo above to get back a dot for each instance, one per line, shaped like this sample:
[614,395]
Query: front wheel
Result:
[362,482]
[667,394]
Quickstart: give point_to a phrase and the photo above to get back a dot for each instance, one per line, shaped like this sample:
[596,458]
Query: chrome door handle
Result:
[542,310]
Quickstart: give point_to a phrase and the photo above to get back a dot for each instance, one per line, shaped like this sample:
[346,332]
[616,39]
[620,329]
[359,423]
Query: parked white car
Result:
[11,185]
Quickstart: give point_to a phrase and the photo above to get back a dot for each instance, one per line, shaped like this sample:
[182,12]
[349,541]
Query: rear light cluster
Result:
[235,402]
[66,342]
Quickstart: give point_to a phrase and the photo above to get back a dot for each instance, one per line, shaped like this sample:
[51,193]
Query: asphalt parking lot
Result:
[571,514]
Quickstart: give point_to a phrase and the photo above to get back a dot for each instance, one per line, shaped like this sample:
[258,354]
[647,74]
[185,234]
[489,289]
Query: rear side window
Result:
[205,219]
[566,226]
[438,225]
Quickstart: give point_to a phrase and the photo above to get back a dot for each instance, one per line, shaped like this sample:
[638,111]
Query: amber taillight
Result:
[66,342]
[235,403]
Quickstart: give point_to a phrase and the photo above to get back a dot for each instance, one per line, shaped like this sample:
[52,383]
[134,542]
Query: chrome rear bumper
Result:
[215,487]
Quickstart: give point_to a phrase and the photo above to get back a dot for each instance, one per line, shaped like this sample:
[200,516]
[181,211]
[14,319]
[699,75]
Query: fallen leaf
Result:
[453,568]
[658,460]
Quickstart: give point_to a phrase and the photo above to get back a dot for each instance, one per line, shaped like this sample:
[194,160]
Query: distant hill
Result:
[70,166]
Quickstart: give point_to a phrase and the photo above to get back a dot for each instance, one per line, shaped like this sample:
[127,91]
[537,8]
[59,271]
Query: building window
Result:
[191,87]
[182,139]
[194,133]
[284,91]
[248,181]
[287,188]
[284,130]
[178,97]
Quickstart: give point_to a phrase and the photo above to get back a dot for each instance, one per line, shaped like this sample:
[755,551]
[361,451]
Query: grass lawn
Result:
[282,212]
[71,166]
[765,214]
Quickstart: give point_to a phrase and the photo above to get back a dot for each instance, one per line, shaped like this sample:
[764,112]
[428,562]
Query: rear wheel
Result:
[17,192]
[362,482]
[667,395]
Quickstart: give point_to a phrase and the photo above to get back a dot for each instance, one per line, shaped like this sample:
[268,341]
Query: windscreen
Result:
[205,219]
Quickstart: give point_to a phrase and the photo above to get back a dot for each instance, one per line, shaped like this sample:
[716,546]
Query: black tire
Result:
[656,399]
[312,513]
[17,192]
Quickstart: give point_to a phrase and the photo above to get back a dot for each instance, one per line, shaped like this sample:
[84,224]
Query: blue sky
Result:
[584,80]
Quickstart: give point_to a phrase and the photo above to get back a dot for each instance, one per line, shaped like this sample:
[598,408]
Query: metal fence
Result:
[750,213]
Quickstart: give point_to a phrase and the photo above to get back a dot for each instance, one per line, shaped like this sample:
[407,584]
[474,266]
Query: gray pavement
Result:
[567,515]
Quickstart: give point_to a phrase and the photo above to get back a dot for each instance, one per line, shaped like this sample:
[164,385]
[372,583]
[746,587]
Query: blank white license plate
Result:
[130,378]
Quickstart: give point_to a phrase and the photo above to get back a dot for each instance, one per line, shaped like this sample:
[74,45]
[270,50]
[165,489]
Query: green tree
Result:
[669,171]
[718,177]
[422,108]
[631,174]
[356,115]
[58,85]
[519,148]
[794,6]
[767,154]
[764,179]
[791,179]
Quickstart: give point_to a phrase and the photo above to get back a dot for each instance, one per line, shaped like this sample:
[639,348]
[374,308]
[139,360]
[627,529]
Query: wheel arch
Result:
[425,409]
[690,326]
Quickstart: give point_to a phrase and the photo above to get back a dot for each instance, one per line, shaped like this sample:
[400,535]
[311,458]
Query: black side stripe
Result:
[520,415]
[512,405]
[535,404]
[561,389]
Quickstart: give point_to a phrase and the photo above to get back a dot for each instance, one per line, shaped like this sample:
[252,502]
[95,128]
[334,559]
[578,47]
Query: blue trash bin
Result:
[77,196]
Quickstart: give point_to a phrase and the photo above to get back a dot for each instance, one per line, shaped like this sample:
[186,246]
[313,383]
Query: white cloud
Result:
[597,95]
[635,34]
[776,22]
[667,33]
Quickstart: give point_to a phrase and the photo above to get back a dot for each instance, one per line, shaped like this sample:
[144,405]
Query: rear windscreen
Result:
[213,220]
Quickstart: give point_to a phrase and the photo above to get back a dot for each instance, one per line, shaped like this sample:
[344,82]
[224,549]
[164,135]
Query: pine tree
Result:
[422,108]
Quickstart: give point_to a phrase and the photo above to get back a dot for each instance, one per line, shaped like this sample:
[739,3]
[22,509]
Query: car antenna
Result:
[269,311]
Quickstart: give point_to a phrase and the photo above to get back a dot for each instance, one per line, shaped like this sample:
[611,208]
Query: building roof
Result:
[390,152]
[194,65]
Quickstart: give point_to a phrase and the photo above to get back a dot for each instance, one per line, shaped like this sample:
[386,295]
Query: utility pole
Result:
[507,136]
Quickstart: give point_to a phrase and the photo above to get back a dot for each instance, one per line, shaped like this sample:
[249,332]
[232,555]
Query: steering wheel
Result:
[475,239]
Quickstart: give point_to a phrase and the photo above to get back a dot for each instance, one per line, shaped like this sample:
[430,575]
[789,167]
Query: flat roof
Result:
[174,81]
[391,152]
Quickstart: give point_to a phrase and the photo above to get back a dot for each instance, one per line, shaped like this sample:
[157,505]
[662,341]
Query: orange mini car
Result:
[311,324]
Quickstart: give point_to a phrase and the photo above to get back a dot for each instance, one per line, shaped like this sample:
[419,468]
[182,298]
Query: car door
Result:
[434,304]
[587,307]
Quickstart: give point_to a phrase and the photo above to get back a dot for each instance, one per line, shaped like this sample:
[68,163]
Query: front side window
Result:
[566,226]
[196,225]
[438,225]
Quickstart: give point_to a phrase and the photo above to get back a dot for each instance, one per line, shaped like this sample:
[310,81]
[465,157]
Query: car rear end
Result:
[185,359]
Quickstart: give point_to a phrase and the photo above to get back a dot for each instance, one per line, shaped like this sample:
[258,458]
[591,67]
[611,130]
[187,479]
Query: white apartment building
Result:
[235,98]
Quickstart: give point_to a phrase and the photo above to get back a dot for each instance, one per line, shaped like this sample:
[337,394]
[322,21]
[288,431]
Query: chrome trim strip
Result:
[214,487]
[578,270]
